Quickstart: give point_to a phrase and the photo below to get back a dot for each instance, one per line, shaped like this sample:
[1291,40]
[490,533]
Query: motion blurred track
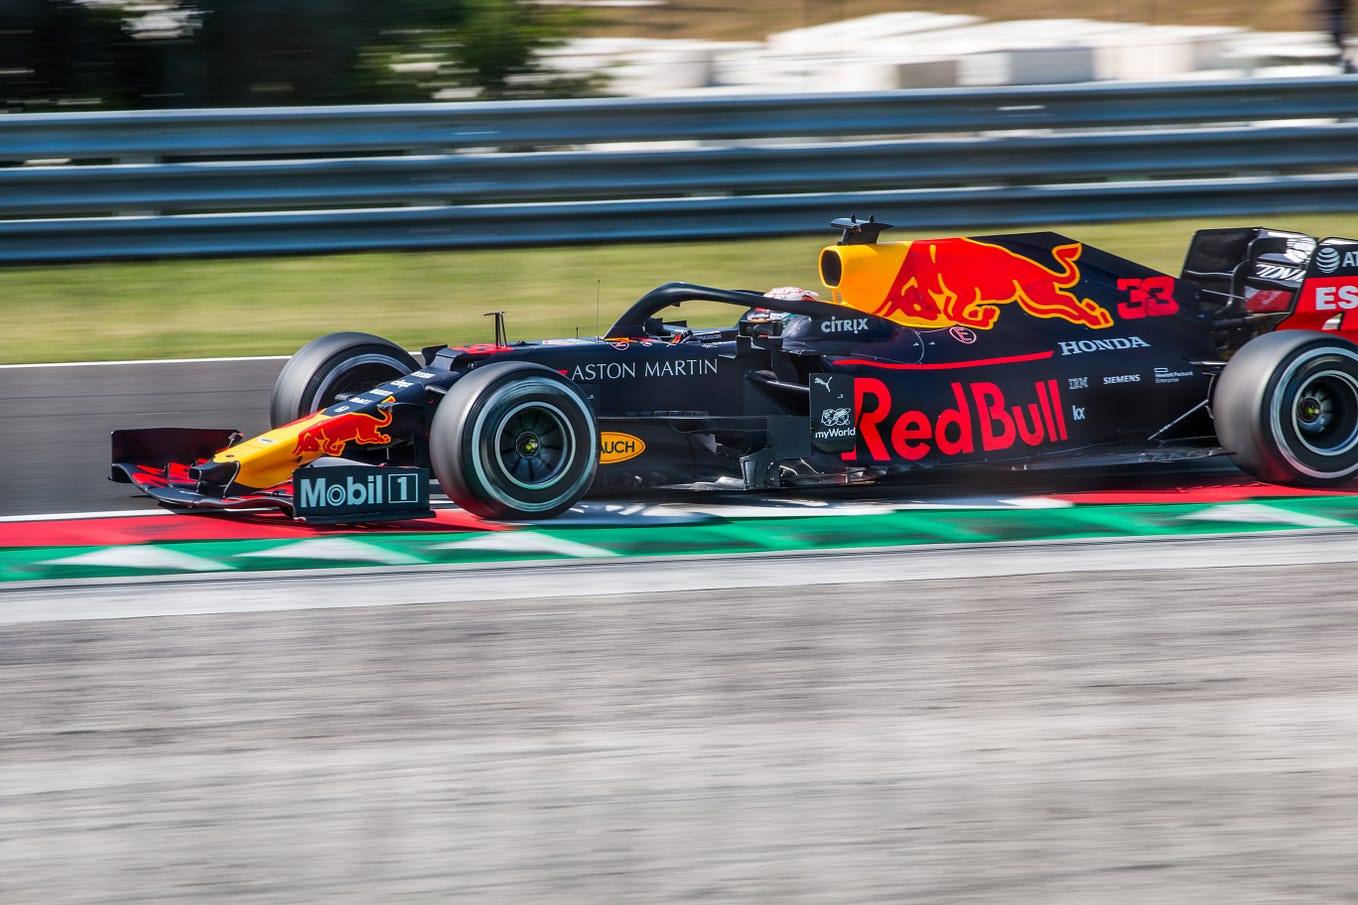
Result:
[1061,736]
[57,418]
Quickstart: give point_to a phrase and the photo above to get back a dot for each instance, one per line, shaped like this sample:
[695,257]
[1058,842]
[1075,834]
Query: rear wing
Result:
[1275,278]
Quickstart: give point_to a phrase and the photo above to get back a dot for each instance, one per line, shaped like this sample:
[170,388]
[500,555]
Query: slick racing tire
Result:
[514,440]
[1286,408]
[334,366]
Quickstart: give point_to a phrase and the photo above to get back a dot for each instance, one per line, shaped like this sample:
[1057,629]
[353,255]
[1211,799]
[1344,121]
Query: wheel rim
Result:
[533,445]
[1325,413]
[1313,414]
[514,441]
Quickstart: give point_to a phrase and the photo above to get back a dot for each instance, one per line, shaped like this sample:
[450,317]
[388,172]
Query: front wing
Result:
[159,462]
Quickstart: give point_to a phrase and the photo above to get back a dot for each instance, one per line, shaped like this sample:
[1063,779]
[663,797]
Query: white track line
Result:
[147,361]
[68,516]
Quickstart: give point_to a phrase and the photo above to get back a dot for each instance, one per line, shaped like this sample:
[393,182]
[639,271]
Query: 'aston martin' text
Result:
[626,370]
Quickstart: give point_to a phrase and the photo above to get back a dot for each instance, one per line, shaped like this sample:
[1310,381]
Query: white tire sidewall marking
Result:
[1275,413]
[509,395]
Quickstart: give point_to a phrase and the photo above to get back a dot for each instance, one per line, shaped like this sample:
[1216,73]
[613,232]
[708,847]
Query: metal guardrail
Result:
[275,180]
[605,175]
[687,218]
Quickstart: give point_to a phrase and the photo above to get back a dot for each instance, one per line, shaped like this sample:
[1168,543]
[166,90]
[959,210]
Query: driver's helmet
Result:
[792,294]
[783,294]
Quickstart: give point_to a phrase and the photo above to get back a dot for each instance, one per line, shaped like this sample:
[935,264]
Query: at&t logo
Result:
[1327,259]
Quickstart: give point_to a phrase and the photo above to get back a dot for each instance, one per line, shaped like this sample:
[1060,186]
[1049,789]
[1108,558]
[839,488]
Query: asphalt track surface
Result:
[56,421]
[1036,725]
[1122,736]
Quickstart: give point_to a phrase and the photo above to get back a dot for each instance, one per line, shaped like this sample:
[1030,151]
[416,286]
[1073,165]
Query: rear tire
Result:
[1286,407]
[514,440]
[339,364]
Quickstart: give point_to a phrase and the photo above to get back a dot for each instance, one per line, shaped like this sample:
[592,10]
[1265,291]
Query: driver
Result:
[792,294]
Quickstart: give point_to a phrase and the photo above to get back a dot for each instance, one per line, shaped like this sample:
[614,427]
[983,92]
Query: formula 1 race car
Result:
[1019,351]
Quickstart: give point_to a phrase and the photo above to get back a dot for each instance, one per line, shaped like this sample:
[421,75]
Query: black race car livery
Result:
[1019,351]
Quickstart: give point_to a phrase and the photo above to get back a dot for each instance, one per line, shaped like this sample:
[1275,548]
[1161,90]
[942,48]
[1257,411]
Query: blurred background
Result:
[134,54]
[160,156]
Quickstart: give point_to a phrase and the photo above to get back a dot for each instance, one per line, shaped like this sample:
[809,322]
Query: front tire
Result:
[514,440]
[1286,407]
[334,366]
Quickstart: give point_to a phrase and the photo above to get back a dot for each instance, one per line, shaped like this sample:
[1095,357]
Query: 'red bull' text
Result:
[980,420]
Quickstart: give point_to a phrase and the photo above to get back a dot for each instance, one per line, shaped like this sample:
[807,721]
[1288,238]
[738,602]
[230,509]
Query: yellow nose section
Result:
[270,458]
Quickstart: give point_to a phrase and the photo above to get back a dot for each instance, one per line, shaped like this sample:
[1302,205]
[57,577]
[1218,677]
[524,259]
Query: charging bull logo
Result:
[327,435]
[950,282]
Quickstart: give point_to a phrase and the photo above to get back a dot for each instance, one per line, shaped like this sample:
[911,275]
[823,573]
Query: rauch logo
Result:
[615,447]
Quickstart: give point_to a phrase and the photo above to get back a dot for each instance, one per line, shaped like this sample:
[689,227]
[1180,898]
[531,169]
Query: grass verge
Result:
[271,306]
